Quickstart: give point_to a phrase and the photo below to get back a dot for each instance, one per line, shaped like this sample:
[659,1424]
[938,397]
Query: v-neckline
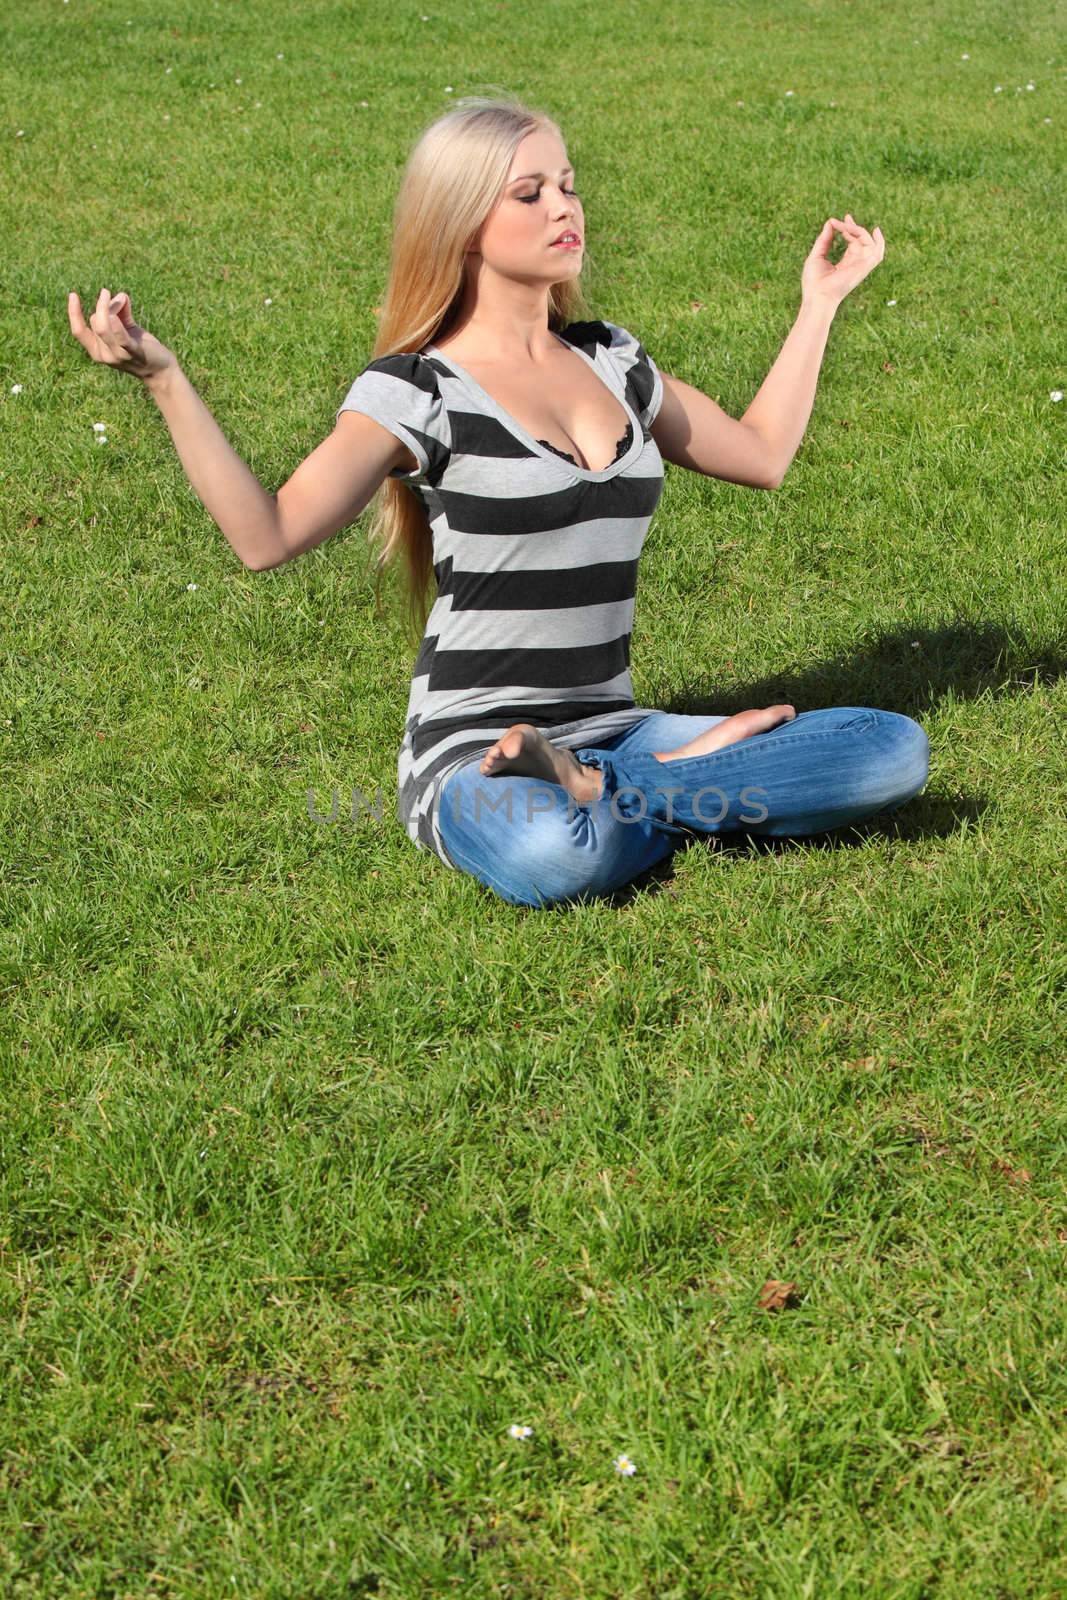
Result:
[636,443]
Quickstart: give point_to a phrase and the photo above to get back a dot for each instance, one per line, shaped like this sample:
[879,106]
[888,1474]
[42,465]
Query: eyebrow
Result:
[536,175]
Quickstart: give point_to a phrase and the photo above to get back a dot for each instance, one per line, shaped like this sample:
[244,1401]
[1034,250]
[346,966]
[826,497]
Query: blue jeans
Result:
[532,843]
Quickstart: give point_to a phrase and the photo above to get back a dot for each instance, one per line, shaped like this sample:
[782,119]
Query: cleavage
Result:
[602,418]
[603,425]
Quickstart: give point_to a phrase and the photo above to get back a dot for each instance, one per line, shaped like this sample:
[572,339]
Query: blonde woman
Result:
[517,455]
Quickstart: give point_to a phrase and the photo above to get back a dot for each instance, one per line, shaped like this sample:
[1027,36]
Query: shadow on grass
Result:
[909,670]
[927,816]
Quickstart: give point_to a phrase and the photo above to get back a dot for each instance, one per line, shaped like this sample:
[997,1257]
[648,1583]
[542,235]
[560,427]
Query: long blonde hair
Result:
[454,177]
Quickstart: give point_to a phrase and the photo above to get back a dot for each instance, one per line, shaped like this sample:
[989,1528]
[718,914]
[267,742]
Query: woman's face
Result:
[538,204]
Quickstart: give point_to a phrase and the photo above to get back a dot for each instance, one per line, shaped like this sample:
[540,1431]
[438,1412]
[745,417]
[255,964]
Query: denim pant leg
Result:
[822,770]
[531,843]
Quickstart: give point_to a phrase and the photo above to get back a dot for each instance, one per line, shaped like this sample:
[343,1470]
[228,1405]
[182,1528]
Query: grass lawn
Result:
[321,1167]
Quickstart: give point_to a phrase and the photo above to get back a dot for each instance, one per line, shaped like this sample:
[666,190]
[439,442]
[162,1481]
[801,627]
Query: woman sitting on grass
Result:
[518,456]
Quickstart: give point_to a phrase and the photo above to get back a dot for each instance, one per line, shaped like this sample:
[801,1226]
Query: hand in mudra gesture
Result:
[824,282]
[112,337]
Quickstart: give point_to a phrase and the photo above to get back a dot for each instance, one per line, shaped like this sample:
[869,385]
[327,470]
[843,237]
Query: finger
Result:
[125,316]
[860,229]
[80,329]
[97,321]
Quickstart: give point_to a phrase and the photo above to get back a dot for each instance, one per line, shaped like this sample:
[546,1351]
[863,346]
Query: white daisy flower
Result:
[281,55]
[236,80]
[890,302]
[624,1465]
[998,88]
[192,586]
[448,88]
[1055,394]
[520,1431]
[965,58]
[788,92]
[1029,85]
[16,388]
[268,301]
[101,438]
[99,427]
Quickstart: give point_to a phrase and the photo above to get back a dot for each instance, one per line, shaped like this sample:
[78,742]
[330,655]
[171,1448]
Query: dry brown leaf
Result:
[775,1294]
[1017,1175]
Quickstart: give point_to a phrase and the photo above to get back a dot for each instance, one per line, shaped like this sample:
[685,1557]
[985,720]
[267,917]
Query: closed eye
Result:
[528,199]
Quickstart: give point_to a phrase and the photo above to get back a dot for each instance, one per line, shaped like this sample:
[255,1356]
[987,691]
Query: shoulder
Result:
[617,340]
[637,370]
[587,334]
[400,391]
[406,366]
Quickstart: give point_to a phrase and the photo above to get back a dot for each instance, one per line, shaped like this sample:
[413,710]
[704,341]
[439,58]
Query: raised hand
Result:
[112,337]
[825,282]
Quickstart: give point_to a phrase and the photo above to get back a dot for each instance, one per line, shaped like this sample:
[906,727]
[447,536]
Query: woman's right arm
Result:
[327,491]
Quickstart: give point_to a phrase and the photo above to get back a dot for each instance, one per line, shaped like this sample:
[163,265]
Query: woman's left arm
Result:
[691,430]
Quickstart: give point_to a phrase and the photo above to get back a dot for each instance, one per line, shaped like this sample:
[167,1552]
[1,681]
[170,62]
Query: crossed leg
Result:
[525,750]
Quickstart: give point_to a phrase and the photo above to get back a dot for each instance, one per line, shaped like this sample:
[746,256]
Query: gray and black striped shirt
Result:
[535,559]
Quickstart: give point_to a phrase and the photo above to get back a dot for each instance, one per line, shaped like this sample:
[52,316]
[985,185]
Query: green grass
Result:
[321,1165]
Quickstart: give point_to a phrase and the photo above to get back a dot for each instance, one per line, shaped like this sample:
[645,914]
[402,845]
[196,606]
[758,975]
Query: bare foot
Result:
[741,726]
[526,751]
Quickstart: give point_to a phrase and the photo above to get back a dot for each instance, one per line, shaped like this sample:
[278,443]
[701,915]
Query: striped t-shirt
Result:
[535,559]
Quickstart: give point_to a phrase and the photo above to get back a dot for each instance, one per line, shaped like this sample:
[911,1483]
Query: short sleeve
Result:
[644,385]
[401,392]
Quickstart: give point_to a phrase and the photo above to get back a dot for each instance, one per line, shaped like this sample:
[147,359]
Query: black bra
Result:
[620,449]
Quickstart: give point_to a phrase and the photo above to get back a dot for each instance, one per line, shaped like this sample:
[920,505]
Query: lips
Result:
[570,236]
